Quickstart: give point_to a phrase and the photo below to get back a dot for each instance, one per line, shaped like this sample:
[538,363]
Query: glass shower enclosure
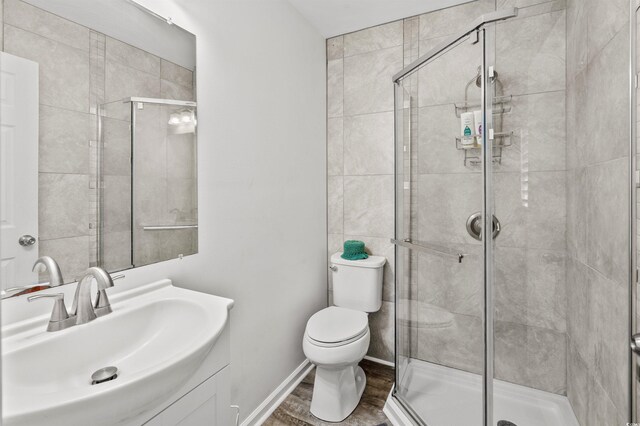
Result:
[148,192]
[480,328]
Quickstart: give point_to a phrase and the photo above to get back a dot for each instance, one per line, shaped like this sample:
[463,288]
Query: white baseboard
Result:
[380,361]
[269,405]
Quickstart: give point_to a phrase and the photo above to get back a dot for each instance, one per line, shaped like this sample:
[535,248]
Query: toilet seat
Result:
[335,326]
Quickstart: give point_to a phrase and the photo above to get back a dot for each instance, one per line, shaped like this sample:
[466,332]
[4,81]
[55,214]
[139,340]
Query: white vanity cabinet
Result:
[205,400]
[208,404]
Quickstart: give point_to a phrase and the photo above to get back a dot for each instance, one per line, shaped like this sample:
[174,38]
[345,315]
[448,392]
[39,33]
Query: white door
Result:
[18,170]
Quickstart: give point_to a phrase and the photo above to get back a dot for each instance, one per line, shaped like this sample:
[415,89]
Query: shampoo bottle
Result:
[477,118]
[466,129]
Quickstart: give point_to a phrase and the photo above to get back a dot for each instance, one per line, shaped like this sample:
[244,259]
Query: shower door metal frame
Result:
[484,31]
[634,6]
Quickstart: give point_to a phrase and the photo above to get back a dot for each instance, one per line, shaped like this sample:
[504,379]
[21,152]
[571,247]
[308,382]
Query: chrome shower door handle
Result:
[474,226]
[635,343]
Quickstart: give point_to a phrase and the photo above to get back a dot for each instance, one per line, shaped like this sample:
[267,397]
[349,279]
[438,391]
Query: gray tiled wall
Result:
[80,69]
[597,157]
[530,253]
[360,154]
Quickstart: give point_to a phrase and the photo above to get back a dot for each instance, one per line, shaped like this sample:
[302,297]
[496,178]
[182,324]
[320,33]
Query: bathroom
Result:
[281,203]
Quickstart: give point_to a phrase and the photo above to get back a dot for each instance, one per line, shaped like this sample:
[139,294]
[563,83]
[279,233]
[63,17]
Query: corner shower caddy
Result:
[502,139]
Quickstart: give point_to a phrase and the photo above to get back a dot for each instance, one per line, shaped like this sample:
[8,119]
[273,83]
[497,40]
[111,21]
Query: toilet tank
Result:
[357,284]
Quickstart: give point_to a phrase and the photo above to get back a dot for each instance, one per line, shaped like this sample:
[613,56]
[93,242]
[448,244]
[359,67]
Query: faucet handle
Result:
[102,305]
[59,313]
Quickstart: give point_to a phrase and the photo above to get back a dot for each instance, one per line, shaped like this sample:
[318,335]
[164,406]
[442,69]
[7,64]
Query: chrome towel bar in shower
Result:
[167,227]
[429,248]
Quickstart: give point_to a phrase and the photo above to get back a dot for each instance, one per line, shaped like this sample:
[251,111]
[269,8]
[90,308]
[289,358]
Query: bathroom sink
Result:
[156,336]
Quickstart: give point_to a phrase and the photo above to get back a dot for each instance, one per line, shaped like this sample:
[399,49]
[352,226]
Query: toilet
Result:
[337,338]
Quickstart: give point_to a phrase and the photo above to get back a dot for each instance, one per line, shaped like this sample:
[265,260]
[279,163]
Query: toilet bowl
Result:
[339,381]
[337,338]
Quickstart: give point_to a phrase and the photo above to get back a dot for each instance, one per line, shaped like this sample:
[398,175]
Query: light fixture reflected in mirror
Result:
[182,122]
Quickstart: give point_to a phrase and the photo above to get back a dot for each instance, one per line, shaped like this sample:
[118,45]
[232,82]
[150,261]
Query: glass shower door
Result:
[440,337]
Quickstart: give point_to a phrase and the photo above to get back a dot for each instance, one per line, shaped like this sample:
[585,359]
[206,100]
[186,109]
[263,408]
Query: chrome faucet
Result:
[55,278]
[82,308]
[50,265]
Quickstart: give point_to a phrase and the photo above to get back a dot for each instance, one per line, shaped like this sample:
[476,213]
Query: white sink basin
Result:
[157,336]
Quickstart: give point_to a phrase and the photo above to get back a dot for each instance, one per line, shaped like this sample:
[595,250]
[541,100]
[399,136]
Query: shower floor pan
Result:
[444,396]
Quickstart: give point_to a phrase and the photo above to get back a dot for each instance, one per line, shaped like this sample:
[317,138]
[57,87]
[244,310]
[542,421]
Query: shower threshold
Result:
[444,396]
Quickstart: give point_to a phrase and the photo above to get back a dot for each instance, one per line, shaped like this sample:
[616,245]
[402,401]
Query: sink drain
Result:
[506,423]
[104,375]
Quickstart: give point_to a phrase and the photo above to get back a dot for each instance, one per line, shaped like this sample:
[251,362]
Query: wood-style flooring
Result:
[294,410]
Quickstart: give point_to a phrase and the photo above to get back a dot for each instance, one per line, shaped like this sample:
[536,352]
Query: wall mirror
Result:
[99,123]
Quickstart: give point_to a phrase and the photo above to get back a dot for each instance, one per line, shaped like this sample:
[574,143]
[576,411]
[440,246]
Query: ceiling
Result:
[336,17]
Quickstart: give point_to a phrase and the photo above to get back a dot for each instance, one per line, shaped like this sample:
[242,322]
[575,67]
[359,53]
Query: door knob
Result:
[27,240]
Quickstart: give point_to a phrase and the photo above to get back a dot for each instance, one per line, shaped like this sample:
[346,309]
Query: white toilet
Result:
[337,338]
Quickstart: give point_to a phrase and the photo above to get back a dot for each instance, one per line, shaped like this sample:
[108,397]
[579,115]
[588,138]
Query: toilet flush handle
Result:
[333,268]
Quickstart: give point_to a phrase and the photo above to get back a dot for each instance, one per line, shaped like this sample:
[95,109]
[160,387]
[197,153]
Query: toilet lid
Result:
[334,324]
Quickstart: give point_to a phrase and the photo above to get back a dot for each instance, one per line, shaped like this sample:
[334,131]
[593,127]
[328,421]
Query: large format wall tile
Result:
[175,73]
[456,287]
[64,141]
[577,210]
[381,327]
[604,19]
[538,122]
[117,203]
[529,287]
[578,308]
[64,70]
[601,409]
[335,204]
[63,205]
[38,21]
[335,88]
[368,144]
[445,201]
[122,82]
[368,205]
[116,250]
[577,382]
[170,90]
[457,67]
[535,218]
[530,356]
[335,48]
[450,20]
[2,24]
[132,56]
[374,38]
[530,54]
[72,254]
[607,112]
[438,127]
[609,337]
[335,146]
[607,239]
[577,49]
[116,158]
[367,81]
[458,345]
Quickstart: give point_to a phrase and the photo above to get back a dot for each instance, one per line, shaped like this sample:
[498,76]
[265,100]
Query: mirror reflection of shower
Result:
[159,220]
